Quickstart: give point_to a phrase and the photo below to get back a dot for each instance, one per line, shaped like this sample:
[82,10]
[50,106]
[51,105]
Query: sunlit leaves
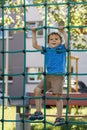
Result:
[17,10]
[76,14]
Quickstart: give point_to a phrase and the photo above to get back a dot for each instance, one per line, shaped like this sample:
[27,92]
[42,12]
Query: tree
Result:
[77,15]
[55,14]
[18,12]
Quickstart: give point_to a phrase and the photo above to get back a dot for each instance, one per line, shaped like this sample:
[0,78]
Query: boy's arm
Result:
[61,29]
[34,40]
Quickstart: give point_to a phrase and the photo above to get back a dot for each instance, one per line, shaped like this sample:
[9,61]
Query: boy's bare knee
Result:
[58,95]
[37,91]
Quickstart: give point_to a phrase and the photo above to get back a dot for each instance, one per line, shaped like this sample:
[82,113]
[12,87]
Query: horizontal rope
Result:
[70,98]
[42,27]
[26,51]
[43,4]
[42,73]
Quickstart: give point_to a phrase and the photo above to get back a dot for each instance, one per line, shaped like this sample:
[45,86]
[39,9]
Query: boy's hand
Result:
[33,29]
[61,28]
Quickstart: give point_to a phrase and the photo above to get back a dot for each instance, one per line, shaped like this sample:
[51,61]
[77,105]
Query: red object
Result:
[51,102]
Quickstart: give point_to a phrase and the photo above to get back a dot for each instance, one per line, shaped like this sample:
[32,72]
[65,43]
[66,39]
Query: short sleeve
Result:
[43,50]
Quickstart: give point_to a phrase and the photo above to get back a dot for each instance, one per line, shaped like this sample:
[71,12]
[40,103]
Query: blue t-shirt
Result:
[56,59]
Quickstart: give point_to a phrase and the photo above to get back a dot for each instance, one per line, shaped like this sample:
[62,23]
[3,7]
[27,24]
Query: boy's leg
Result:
[59,105]
[38,90]
[57,86]
[38,102]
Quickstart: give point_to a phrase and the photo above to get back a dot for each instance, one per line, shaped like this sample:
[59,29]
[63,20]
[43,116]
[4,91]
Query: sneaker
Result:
[59,121]
[36,116]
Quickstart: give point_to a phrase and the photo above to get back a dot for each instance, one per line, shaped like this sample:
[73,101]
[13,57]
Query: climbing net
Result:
[44,4]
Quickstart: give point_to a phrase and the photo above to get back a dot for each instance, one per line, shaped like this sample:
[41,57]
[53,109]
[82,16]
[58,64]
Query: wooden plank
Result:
[71,102]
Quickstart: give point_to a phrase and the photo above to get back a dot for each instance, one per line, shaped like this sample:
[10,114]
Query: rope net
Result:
[45,5]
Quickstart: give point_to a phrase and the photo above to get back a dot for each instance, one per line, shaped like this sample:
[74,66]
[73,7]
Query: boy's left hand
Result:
[61,27]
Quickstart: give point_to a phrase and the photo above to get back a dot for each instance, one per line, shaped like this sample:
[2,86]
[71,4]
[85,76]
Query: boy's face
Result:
[54,40]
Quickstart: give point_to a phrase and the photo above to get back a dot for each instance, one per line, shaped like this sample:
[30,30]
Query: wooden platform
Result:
[73,99]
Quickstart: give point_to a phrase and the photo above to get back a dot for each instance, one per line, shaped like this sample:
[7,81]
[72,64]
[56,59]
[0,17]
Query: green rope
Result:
[3,70]
[45,10]
[68,64]
[24,76]
[45,5]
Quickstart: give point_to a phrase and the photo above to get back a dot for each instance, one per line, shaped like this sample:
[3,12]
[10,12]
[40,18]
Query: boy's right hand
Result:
[33,29]
[61,27]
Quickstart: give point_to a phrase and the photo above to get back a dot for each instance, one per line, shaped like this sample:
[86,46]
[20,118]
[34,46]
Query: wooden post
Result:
[6,67]
[19,124]
[26,125]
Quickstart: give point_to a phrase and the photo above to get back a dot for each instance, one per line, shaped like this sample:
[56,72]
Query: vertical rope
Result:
[68,66]
[45,6]
[3,64]
[24,73]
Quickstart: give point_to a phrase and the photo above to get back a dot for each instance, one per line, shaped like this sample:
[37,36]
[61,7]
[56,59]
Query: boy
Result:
[55,55]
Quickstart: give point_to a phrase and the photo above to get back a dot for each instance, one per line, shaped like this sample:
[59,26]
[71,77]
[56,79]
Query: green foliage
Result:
[70,126]
[10,114]
[76,14]
[80,46]
[18,12]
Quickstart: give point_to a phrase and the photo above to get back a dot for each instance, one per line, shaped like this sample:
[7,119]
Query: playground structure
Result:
[51,102]
[69,98]
[73,58]
[72,94]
